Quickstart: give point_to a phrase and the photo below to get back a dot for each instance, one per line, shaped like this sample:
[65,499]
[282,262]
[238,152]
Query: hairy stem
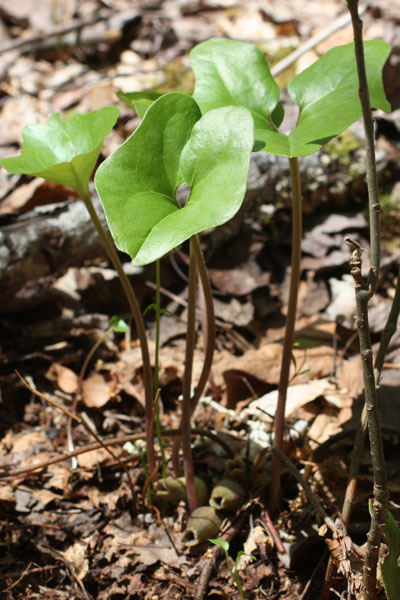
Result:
[279,423]
[208,323]
[187,382]
[208,326]
[139,323]
[156,371]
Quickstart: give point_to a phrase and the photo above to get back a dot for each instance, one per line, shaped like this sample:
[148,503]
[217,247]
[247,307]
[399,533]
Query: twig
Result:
[363,293]
[216,554]
[58,31]
[118,441]
[273,532]
[364,290]
[372,178]
[339,23]
[88,428]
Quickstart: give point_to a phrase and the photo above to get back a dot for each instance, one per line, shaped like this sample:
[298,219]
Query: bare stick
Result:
[118,441]
[364,290]
[339,23]
[372,179]
[86,426]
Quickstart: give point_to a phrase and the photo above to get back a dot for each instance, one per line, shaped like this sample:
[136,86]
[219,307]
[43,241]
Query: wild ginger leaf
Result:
[390,567]
[65,152]
[235,73]
[139,101]
[230,73]
[327,94]
[172,146]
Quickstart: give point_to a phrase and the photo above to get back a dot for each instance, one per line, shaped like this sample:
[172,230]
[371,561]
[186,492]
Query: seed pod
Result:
[227,495]
[235,468]
[174,490]
[203,523]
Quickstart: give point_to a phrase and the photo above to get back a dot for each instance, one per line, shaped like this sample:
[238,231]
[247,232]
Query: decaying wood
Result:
[46,241]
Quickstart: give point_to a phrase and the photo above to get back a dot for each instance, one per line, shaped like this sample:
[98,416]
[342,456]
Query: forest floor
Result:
[78,527]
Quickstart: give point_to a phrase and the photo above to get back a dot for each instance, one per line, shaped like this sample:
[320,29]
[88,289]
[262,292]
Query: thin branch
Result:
[339,23]
[88,428]
[118,441]
[372,179]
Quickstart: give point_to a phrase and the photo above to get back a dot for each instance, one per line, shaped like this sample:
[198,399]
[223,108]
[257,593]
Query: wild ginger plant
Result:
[231,73]
[176,145]
[205,141]
[234,73]
[66,152]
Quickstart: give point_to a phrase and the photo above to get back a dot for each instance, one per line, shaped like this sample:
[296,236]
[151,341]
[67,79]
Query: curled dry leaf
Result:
[66,379]
[75,556]
[96,391]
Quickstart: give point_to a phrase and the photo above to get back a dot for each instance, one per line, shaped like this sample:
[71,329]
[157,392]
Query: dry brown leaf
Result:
[7,493]
[96,391]
[297,397]
[66,379]
[46,496]
[323,427]
[59,476]
[20,196]
[89,460]
[149,555]
[75,555]
[350,378]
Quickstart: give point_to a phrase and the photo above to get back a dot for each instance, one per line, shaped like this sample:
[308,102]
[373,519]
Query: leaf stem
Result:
[208,328]
[208,325]
[139,322]
[156,371]
[279,423]
[187,381]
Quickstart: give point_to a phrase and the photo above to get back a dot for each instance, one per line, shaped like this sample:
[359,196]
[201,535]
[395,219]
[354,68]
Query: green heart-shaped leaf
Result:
[170,147]
[390,567]
[235,73]
[327,94]
[139,101]
[230,73]
[64,151]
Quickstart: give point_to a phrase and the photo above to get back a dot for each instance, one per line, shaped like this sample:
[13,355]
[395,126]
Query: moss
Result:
[178,78]
[341,148]
[390,218]
[274,57]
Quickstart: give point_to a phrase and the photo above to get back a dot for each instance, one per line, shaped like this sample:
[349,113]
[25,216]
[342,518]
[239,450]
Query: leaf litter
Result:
[77,532]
